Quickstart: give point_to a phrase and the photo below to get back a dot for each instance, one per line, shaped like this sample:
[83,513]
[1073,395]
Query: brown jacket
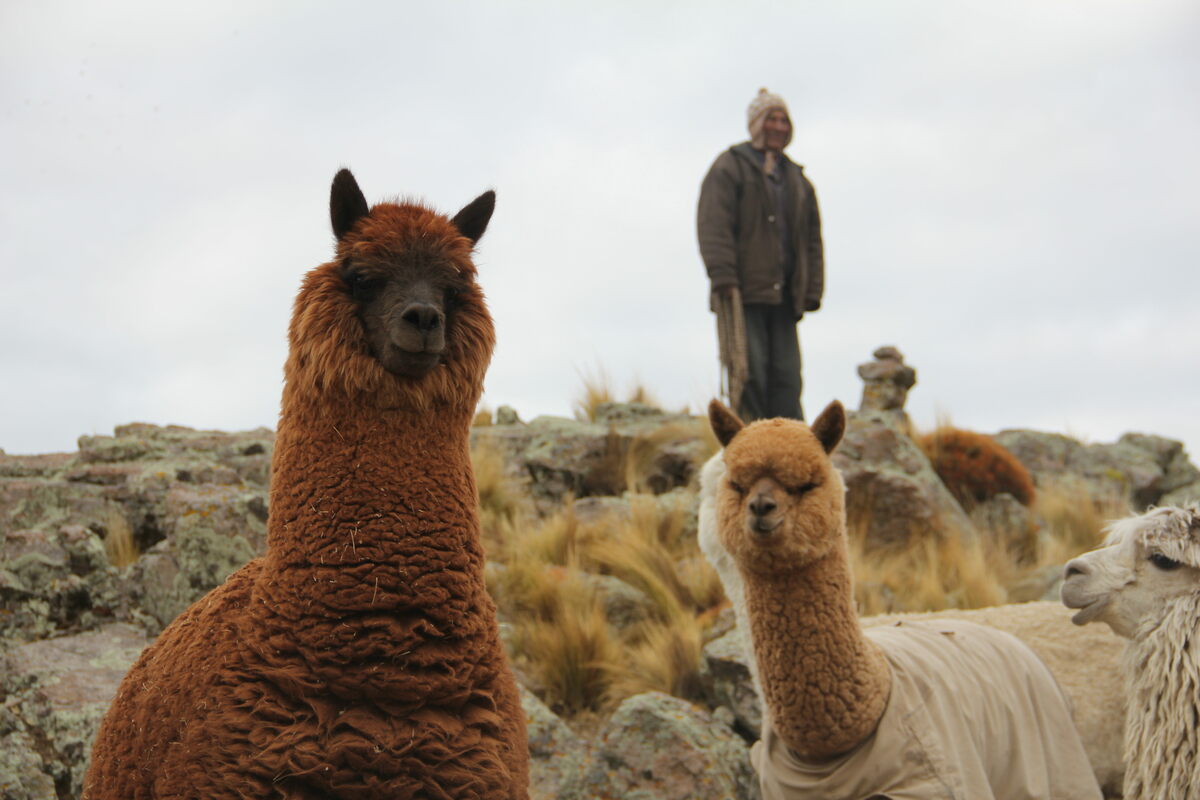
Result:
[739,237]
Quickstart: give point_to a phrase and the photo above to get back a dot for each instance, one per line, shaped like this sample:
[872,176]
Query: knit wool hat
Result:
[756,114]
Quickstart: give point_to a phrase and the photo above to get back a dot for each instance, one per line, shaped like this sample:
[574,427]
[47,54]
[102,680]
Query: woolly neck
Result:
[1162,677]
[369,497]
[825,686]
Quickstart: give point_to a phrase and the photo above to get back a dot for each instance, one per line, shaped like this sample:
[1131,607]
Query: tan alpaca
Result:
[945,709]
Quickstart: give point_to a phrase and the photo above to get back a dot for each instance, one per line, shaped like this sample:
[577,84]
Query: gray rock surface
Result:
[1138,469]
[555,751]
[725,671]
[658,747]
[556,457]
[55,693]
[892,490]
[886,382]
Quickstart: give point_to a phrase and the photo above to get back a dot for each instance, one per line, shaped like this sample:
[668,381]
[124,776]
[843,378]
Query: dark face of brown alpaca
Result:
[407,301]
[781,505]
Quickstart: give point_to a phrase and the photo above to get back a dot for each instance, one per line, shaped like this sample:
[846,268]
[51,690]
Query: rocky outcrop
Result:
[195,502]
[1138,469]
[658,747]
[627,446]
[53,695]
[191,507]
[892,492]
[725,671]
[886,382]
[555,751]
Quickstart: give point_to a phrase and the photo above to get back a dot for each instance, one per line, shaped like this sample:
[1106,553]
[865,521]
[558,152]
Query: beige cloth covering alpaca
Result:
[973,714]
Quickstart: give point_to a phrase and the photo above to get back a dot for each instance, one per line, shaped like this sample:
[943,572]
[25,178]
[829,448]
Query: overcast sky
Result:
[1009,194]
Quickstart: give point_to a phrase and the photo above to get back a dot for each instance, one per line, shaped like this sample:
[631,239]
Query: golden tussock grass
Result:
[932,573]
[661,657]
[118,539]
[577,658]
[597,390]
[501,499]
[1074,519]
[567,645]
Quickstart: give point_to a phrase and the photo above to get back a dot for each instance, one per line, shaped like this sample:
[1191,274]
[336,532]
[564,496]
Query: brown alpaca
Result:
[359,657]
[945,709]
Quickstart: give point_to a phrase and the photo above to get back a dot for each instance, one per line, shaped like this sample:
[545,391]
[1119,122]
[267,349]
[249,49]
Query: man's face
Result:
[777,128]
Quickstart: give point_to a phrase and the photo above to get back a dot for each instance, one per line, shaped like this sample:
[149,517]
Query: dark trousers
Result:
[773,357]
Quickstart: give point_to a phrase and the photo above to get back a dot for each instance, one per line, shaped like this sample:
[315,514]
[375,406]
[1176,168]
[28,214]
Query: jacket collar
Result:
[746,151]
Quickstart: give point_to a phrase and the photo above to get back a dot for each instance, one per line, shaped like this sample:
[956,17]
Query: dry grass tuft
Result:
[641,460]
[501,499]
[662,657]
[597,390]
[578,660]
[1074,520]
[119,545]
[930,574]
[568,645]
[483,417]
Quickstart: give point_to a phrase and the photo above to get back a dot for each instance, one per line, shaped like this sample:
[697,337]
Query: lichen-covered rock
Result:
[658,747]
[886,382]
[555,751]
[725,671]
[180,570]
[1011,522]
[69,519]
[558,457]
[892,492]
[1137,469]
[54,694]
[56,580]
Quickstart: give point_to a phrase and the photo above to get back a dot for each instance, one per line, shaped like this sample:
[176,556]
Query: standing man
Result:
[760,238]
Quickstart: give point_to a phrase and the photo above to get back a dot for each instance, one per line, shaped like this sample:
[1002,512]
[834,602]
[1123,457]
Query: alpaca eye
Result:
[737,488]
[797,491]
[362,287]
[1164,563]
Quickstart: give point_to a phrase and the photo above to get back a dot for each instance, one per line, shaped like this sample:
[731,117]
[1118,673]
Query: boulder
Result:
[886,382]
[55,693]
[556,457]
[893,494]
[54,581]
[725,672]
[555,751]
[1138,469]
[658,747]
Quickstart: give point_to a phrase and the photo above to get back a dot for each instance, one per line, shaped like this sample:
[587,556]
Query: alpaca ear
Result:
[725,423]
[346,203]
[473,220]
[830,426]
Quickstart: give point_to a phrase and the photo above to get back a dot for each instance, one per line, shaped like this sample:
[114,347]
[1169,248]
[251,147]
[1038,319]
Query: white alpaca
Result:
[1145,584]
[1093,683]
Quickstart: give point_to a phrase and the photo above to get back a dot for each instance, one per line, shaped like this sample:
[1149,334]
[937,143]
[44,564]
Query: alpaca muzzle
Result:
[763,516]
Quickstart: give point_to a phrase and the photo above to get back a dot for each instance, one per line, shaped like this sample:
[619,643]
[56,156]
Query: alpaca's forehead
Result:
[1172,531]
[785,452]
[410,235]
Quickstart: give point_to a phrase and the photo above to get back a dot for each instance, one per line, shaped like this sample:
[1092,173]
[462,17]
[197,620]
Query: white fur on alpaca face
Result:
[712,475]
[1131,582]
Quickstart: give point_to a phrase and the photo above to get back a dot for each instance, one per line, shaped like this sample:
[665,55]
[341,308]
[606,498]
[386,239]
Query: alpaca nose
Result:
[423,316]
[762,505]
[1076,566]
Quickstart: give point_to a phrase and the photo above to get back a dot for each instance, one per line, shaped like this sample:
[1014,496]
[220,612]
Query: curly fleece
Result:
[798,591]
[827,686]
[359,657]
